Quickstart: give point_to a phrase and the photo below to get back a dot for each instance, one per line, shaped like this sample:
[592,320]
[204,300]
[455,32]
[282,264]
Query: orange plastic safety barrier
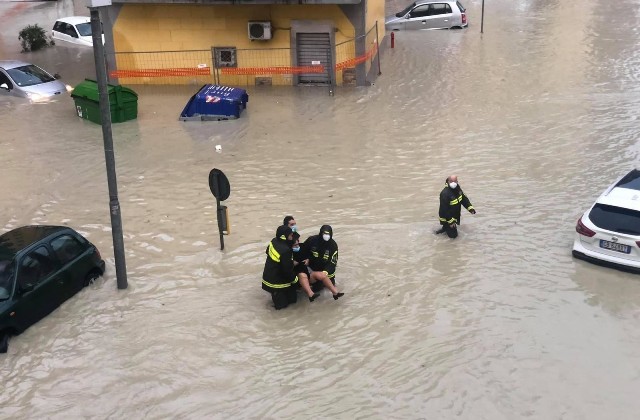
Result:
[188,71]
[245,71]
[358,60]
[271,70]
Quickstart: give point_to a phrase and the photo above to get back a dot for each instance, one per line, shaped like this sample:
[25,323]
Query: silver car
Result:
[26,80]
[429,14]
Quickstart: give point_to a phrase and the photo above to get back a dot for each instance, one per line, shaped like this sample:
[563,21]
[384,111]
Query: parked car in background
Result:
[26,80]
[40,268]
[609,232]
[429,14]
[74,29]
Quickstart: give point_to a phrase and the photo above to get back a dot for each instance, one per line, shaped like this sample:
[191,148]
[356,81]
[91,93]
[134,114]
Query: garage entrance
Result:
[313,49]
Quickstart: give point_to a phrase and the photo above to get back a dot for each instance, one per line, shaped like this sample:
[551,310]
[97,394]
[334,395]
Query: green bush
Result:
[33,38]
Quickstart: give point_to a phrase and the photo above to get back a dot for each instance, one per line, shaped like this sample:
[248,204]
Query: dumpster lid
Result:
[89,89]
[215,93]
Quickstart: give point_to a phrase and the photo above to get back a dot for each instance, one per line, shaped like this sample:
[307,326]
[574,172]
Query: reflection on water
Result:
[536,116]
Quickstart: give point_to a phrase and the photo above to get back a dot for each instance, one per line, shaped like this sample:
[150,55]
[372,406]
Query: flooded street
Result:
[537,116]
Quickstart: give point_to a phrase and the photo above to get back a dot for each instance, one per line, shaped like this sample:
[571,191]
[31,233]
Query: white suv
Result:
[609,233]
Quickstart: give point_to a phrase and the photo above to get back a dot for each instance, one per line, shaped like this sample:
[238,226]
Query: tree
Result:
[33,38]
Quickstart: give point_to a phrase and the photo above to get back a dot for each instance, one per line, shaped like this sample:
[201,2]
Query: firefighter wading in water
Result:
[451,200]
[278,277]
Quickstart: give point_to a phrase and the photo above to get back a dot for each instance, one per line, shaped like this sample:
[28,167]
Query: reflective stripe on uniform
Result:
[452,220]
[279,286]
[273,254]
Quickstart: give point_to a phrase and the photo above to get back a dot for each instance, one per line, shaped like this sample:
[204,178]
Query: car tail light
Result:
[638,243]
[583,230]
[464,18]
[97,253]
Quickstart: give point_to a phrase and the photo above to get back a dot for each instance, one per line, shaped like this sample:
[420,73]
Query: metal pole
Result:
[378,49]
[219,216]
[105,118]
[330,71]
[482,19]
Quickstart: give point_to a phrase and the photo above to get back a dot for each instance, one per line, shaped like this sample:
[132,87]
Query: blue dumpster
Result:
[215,103]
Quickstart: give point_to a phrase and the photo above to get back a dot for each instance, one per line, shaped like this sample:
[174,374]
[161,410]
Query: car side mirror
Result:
[26,288]
[56,76]
[4,86]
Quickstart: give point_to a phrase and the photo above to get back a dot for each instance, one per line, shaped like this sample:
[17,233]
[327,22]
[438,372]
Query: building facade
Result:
[282,42]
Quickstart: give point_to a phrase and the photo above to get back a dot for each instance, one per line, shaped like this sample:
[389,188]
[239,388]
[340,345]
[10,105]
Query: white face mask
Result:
[294,228]
[326,237]
[453,185]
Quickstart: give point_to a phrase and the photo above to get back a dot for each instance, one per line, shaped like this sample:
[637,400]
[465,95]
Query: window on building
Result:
[225,57]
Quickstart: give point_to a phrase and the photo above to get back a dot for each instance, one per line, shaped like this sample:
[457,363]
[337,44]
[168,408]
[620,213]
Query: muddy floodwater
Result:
[537,116]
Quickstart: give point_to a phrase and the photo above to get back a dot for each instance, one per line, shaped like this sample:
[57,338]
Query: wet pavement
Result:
[537,116]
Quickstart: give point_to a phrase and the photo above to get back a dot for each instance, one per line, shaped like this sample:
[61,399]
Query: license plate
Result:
[626,249]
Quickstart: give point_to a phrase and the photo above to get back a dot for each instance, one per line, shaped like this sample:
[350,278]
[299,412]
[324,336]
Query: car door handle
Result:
[424,21]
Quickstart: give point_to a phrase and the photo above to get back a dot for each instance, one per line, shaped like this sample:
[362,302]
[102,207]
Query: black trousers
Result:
[285,297]
[451,232]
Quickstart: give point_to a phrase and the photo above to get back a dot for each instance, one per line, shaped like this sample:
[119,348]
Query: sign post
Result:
[220,188]
[482,19]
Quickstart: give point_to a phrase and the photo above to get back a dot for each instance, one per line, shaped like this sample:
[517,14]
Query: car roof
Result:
[421,2]
[624,193]
[74,20]
[17,239]
[12,64]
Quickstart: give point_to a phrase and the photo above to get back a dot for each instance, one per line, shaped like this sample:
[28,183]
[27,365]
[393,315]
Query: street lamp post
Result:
[105,119]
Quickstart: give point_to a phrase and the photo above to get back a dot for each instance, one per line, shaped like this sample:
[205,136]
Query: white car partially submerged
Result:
[74,29]
[609,233]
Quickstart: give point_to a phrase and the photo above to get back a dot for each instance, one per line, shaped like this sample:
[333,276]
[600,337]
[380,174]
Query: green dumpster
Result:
[122,100]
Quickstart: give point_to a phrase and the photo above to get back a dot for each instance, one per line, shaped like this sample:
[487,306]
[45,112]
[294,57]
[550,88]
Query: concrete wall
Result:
[375,12]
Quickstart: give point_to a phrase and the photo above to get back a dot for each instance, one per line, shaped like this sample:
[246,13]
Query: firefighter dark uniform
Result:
[300,256]
[323,255]
[451,201]
[278,277]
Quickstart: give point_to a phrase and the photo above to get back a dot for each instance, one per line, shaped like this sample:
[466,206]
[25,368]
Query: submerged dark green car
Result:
[40,268]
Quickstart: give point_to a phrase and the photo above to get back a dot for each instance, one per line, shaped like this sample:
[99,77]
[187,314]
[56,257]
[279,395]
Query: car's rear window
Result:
[616,219]
[84,29]
[29,75]
[630,180]
[461,7]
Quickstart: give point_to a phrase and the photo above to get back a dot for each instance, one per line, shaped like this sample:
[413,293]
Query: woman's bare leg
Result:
[324,278]
[304,282]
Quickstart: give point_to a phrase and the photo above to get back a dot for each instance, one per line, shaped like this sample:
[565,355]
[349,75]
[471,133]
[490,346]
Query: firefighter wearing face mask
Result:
[278,277]
[451,200]
[323,259]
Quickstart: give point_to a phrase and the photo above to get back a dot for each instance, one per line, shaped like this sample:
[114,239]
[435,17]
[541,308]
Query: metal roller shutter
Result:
[311,49]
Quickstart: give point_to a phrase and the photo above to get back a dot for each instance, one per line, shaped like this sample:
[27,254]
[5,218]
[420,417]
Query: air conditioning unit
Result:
[259,30]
